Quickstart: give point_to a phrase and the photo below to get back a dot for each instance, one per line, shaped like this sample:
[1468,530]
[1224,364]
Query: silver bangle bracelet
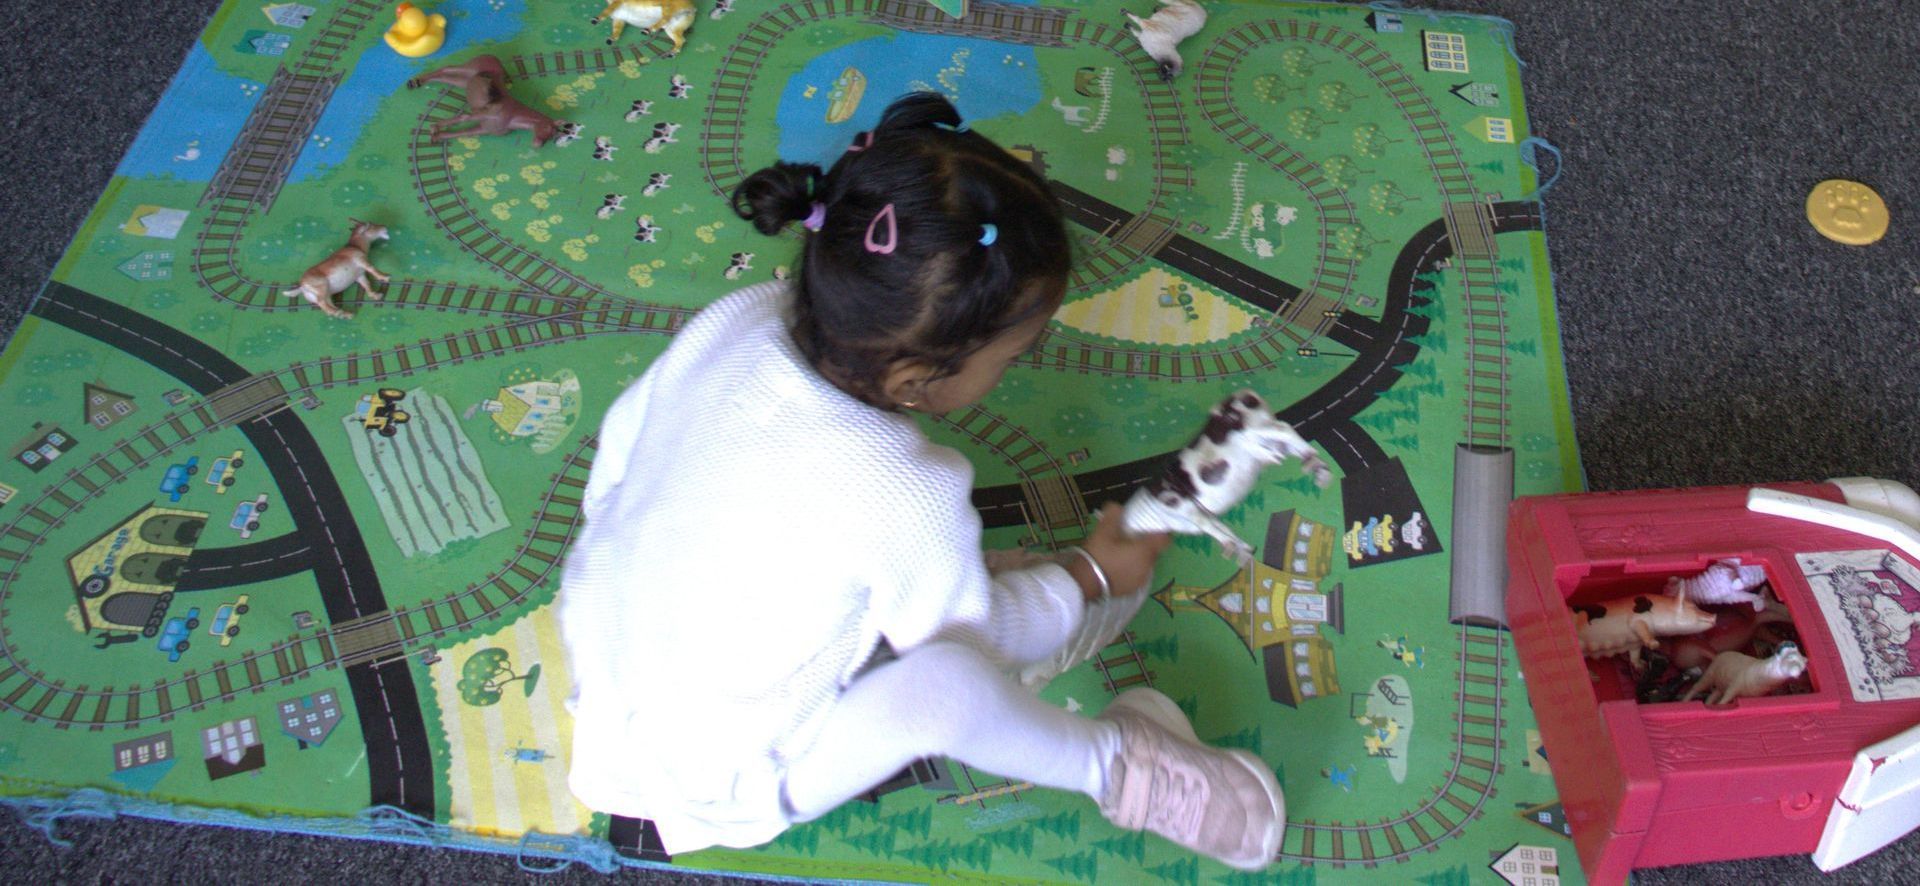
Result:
[1100,575]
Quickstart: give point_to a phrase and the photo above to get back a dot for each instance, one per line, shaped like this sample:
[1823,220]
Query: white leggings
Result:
[946,700]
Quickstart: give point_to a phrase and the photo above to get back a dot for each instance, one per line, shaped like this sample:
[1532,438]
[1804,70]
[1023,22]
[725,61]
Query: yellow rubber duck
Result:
[415,33]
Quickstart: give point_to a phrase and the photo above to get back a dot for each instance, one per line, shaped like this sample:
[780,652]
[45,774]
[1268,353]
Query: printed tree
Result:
[1434,279]
[1198,544]
[1165,646]
[1300,485]
[1434,339]
[1386,197]
[1419,369]
[1527,346]
[1016,839]
[804,839]
[1340,170]
[1248,738]
[1300,876]
[937,855]
[874,842]
[1515,265]
[1424,307]
[1298,62]
[1186,871]
[974,855]
[1336,97]
[1064,824]
[919,822]
[1454,876]
[487,672]
[1306,123]
[1272,88]
[842,819]
[1371,141]
[1131,846]
[1080,867]
[1189,705]
[1408,442]
[1494,166]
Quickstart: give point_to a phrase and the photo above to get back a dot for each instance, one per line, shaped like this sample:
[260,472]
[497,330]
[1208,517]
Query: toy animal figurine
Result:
[1218,469]
[653,16]
[490,109]
[1735,675]
[345,267]
[1634,623]
[414,33]
[1726,581]
[1160,34]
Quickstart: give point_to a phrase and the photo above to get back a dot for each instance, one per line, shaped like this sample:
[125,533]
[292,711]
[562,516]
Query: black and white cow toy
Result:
[1218,469]
[569,133]
[641,108]
[678,87]
[656,182]
[603,148]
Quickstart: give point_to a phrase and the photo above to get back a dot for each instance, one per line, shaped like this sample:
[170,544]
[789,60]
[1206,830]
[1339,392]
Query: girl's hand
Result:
[1127,559]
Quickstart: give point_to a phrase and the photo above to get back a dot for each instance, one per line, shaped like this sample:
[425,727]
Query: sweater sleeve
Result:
[942,590]
[618,437]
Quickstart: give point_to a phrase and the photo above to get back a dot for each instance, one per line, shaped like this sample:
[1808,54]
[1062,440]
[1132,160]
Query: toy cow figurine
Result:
[1737,675]
[1632,624]
[653,16]
[489,108]
[1726,581]
[1218,469]
[345,267]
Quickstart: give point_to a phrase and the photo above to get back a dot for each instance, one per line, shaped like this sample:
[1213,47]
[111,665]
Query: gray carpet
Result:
[1711,336]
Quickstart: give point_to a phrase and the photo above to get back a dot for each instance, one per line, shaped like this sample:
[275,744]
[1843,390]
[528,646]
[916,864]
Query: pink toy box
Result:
[1830,769]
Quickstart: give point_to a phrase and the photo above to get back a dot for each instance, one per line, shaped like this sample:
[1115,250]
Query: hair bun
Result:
[777,196]
[918,110]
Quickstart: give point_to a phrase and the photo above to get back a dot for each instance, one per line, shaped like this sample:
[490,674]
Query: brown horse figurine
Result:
[489,108]
[341,270]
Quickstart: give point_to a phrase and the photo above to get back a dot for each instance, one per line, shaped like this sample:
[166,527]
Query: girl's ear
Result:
[906,382]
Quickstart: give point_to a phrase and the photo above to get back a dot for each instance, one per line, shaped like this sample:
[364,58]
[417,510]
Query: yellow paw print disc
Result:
[1847,212]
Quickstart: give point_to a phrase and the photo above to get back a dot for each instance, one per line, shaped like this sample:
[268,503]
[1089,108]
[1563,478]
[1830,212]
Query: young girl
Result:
[779,598]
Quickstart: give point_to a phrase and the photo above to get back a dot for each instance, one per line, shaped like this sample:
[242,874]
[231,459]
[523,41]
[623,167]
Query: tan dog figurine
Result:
[653,16]
[345,267]
[1635,623]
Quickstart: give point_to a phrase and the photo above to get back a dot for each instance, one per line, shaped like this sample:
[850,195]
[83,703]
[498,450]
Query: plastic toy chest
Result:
[1676,783]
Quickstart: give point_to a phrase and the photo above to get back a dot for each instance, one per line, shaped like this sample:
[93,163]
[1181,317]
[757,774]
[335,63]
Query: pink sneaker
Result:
[1221,803]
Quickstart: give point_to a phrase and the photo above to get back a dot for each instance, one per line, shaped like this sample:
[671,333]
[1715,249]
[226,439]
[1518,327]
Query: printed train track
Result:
[247,399]
[374,639]
[434,186]
[1467,211]
[1052,507]
[1121,666]
[1333,274]
[723,133]
[1460,797]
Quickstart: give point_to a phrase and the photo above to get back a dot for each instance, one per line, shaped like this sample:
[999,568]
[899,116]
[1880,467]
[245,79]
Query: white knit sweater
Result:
[752,535]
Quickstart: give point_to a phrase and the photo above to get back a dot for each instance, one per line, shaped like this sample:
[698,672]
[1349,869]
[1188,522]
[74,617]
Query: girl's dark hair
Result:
[941,294]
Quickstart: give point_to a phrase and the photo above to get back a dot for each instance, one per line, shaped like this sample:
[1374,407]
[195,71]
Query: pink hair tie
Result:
[817,218]
[861,142]
[893,232]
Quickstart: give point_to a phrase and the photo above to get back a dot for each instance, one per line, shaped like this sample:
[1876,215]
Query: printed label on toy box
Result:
[1871,602]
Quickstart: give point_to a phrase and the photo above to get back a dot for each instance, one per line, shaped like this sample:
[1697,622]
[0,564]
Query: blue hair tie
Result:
[988,234]
[962,126]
